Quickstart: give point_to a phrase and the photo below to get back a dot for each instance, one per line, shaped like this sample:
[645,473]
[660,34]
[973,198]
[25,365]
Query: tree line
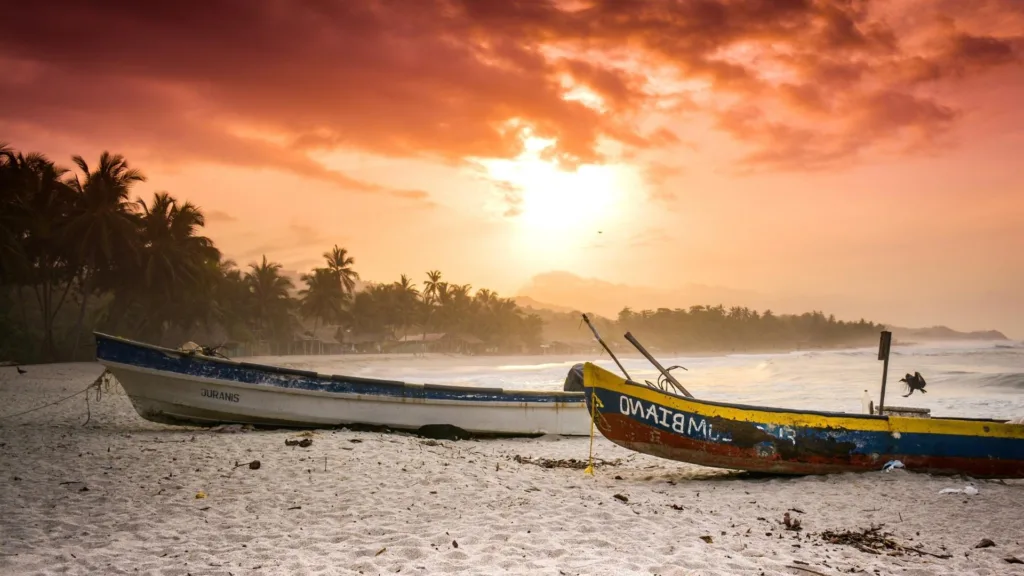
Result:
[718,328]
[79,253]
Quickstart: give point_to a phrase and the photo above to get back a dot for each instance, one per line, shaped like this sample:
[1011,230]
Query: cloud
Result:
[265,84]
[649,237]
[296,239]
[219,216]
[511,197]
[657,175]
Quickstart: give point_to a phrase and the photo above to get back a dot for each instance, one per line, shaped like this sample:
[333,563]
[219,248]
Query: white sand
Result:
[398,504]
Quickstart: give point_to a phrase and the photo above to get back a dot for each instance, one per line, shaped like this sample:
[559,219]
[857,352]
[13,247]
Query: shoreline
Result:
[494,359]
[557,358]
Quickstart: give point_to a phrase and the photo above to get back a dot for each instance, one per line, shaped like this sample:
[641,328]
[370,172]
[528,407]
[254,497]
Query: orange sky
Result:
[864,155]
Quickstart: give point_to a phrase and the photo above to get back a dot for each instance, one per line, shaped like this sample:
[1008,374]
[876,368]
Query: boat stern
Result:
[574,379]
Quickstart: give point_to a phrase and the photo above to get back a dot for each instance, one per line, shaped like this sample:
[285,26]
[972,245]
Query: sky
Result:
[862,155]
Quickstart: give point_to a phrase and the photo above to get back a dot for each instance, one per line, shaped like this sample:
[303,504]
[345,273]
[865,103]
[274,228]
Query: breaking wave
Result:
[1005,380]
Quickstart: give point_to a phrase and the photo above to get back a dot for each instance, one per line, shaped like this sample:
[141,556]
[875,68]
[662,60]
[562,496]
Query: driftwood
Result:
[874,541]
[565,463]
[806,569]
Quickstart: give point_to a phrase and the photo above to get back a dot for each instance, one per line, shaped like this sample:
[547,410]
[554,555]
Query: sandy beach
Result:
[122,495]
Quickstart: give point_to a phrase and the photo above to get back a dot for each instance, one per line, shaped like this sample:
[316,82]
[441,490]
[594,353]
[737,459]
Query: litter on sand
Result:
[892,465]
[969,490]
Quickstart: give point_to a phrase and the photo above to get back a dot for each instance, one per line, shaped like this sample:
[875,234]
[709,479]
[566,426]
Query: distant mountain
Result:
[527,302]
[945,333]
[571,292]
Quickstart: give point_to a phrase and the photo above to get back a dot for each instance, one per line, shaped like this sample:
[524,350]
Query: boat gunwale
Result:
[348,396]
[571,397]
[752,408]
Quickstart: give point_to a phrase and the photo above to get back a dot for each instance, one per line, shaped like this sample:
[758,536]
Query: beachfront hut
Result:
[365,342]
[567,348]
[439,342]
[418,343]
[465,344]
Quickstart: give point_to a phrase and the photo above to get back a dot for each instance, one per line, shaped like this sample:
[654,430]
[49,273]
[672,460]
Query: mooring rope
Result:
[97,384]
[593,409]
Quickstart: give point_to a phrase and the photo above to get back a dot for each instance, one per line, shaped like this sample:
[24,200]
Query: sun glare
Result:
[558,211]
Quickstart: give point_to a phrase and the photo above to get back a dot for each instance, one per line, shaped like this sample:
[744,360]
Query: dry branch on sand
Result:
[873,541]
[571,463]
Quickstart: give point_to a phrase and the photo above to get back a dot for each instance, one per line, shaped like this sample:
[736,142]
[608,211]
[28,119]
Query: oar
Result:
[598,337]
[668,375]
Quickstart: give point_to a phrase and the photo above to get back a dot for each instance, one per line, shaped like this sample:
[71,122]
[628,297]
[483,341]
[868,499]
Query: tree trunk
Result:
[24,309]
[49,349]
[54,312]
[86,284]
[316,323]
[46,300]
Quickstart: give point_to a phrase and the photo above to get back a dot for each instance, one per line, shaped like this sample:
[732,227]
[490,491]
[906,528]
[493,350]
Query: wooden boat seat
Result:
[907,411]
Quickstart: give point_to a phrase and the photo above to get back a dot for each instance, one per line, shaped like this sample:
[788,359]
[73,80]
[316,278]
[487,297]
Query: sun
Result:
[553,199]
[549,201]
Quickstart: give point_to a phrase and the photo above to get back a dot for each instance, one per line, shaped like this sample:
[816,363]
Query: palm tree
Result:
[233,300]
[406,300]
[12,216]
[485,296]
[430,287]
[34,186]
[339,262]
[455,305]
[173,252]
[531,330]
[13,260]
[270,299]
[103,223]
[430,295]
[322,299]
[178,268]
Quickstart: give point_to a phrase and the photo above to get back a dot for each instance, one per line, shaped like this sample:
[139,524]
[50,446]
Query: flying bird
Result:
[20,370]
[914,382]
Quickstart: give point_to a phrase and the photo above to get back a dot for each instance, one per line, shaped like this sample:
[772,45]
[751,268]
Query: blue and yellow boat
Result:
[777,440]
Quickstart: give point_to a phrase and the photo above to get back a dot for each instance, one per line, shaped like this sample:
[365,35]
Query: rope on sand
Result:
[97,384]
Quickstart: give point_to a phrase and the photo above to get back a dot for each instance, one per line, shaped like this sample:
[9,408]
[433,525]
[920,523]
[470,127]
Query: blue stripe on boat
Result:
[154,358]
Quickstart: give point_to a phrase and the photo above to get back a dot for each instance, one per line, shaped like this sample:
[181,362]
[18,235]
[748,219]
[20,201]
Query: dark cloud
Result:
[978,52]
[267,82]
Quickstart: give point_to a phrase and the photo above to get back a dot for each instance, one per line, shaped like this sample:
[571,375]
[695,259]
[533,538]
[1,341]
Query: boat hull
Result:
[784,441]
[173,387]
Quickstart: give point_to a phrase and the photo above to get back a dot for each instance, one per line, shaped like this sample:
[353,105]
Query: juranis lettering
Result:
[219,395]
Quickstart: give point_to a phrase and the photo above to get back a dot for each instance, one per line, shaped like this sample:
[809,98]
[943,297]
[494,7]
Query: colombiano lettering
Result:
[661,417]
[664,416]
[700,427]
[678,423]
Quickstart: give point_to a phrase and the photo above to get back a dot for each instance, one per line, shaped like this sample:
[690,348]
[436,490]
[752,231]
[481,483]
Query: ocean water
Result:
[971,379]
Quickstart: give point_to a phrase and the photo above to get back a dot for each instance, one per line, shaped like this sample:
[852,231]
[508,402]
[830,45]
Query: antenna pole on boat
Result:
[668,375]
[609,350]
[883,354]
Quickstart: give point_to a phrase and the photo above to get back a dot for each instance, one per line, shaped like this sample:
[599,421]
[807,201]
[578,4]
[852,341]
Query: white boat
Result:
[189,388]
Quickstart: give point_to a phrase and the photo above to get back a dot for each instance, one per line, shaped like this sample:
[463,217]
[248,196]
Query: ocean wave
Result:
[997,380]
[1010,345]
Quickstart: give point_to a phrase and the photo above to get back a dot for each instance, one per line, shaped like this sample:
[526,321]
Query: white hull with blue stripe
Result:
[175,387]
